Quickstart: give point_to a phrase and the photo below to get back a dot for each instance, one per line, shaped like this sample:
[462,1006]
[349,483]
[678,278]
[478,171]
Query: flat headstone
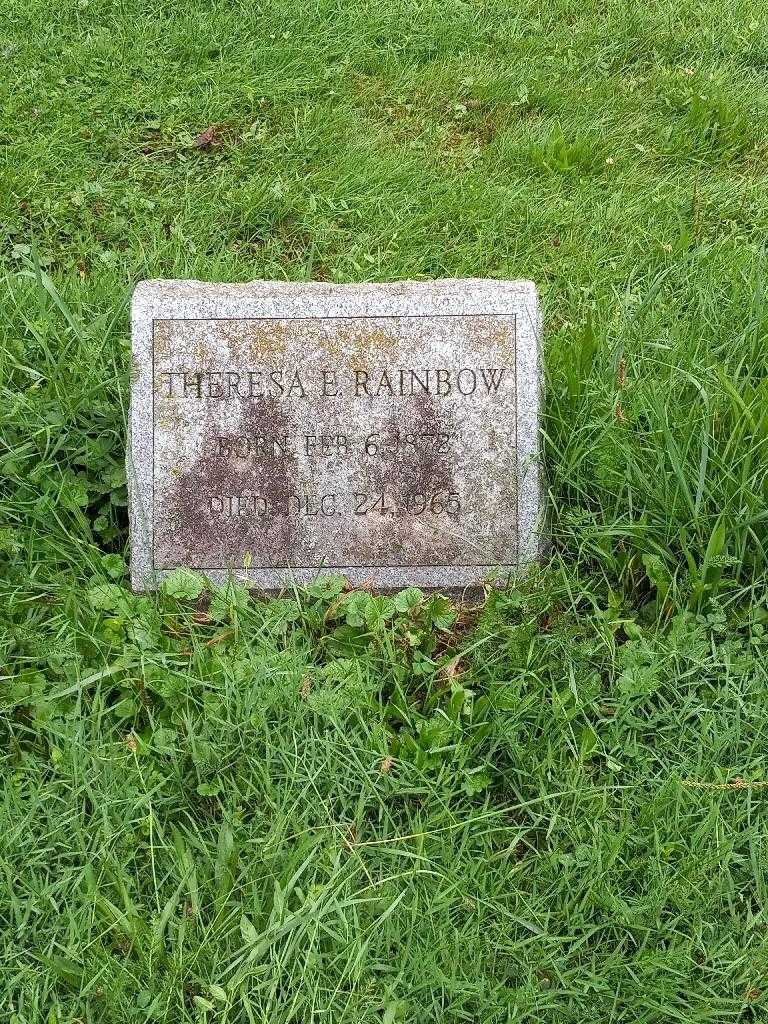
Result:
[386,432]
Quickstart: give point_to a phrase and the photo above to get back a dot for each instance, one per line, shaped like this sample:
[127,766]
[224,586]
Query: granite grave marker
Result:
[387,432]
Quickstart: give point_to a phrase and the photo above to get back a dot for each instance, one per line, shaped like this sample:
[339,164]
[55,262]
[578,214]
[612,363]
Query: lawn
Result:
[547,805]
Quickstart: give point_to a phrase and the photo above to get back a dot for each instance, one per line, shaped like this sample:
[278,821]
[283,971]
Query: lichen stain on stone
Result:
[489,332]
[193,533]
[204,342]
[162,338]
[355,339]
[173,417]
[249,340]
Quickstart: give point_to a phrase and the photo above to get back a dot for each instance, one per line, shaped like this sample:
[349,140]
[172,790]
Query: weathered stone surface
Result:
[388,432]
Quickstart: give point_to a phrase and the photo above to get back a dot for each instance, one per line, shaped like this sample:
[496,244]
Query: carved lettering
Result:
[260,446]
[228,385]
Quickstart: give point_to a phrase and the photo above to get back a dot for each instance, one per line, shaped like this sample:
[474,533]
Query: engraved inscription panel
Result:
[334,442]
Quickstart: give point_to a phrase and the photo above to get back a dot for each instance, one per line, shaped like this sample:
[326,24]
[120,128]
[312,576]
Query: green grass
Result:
[331,808]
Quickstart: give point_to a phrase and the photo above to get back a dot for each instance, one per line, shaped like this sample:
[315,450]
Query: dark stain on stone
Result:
[197,534]
[416,469]
[428,538]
